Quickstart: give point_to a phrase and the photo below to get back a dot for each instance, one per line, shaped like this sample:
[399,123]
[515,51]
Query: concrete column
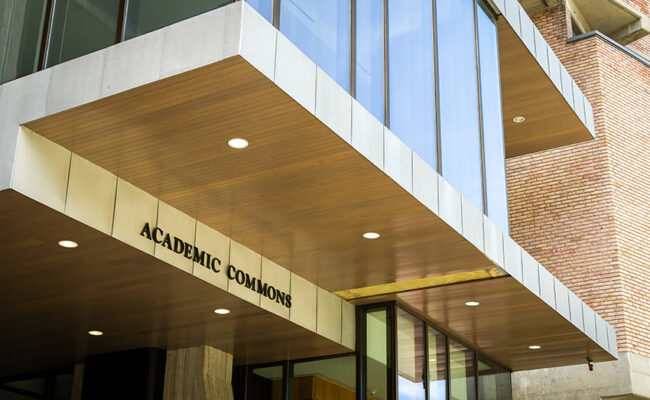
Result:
[198,373]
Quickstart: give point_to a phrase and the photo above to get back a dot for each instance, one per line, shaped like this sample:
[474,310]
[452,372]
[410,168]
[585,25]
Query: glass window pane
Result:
[321,30]
[412,114]
[377,353]
[462,371]
[494,153]
[325,379]
[21,28]
[494,381]
[370,56]
[264,7]
[458,90]
[410,357]
[148,15]
[81,27]
[265,383]
[63,386]
[437,365]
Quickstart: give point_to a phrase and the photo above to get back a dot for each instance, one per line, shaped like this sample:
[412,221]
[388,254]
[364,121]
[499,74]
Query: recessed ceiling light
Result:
[95,333]
[535,347]
[68,244]
[518,120]
[222,311]
[238,143]
[472,303]
[371,235]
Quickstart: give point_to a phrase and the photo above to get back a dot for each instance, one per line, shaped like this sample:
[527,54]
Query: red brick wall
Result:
[643,46]
[641,5]
[584,210]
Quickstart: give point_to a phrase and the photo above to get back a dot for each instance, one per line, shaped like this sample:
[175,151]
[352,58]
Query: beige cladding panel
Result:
[181,228]
[41,170]
[133,209]
[218,246]
[280,278]
[303,302]
[348,324]
[328,315]
[246,262]
[91,194]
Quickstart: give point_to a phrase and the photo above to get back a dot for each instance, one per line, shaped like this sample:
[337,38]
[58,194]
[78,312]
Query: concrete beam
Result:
[633,31]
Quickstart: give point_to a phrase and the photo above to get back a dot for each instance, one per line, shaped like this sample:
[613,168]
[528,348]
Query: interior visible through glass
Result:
[377,353]
[329,378]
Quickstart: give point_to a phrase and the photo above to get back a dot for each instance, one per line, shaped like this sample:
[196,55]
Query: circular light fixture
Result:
[518,120]
[222,311]
[535,347]
[95,333]
[68,244]
[238,143]
[371,235]
[472,303]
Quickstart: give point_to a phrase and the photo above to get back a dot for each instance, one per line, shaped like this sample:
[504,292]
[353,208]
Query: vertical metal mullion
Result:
[480,108]
[447,366]
[360,343]
[392,343]
[276,14]
[287,380]
[386,87]
[475,373]
[45,35]
[120,32]
[436,88]
[426,373]
[353,47]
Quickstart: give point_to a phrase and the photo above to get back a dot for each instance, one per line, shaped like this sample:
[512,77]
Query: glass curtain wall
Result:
[437,359]
[321,30]
[494,381]
[411,377]
[493,142]
[369,68]
[461,372]
[329,378]
[21,30]
[80,27]
[460,137]
[377,353]
[411,76]
[264,7]
[144,16]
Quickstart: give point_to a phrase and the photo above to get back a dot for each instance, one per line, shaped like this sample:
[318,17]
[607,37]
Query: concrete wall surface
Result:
[626,378]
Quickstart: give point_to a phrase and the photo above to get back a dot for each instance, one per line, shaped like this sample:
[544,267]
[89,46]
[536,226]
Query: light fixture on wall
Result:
[68,244]
[238,143]
[518,120]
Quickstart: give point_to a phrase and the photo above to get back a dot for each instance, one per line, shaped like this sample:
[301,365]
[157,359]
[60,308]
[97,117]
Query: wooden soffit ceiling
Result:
[508,320]
[529,92]
[299,194]
[51,298]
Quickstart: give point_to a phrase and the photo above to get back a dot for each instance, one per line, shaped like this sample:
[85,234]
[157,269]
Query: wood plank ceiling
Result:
[51,298]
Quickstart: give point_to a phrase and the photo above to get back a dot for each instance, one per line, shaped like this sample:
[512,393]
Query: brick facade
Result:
[584,210]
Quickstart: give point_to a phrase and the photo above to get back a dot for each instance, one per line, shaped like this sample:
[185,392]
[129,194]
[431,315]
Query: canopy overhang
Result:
[319,172]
